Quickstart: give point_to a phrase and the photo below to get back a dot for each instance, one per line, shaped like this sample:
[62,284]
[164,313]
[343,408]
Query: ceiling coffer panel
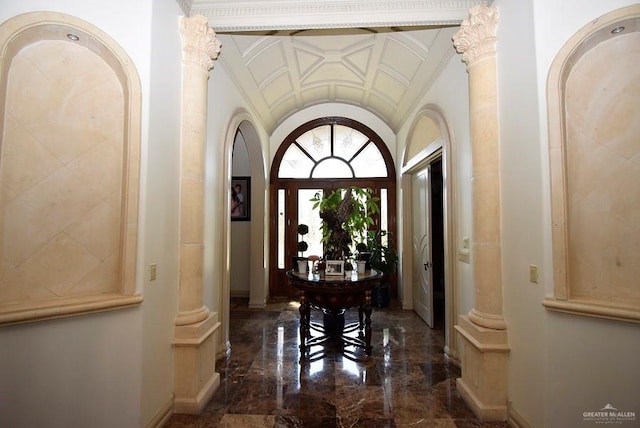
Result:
[330,73]
[349,94]
[400,57]
[285,108]
[360,59]
[307,61]
[389,87]
[381,106]
[267,62]
[314,95]
[277,88]
[285,55]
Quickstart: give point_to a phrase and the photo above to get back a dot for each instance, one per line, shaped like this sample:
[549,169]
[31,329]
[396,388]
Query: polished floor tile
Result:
[406,382]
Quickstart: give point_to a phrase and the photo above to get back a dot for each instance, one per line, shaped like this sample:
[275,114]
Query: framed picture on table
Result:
[240,194]
[334,267]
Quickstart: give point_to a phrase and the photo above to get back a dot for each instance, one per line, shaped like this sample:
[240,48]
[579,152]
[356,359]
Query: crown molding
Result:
[185,5]
[236,16]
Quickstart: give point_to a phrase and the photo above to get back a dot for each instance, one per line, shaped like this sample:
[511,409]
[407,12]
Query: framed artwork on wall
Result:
[240,198]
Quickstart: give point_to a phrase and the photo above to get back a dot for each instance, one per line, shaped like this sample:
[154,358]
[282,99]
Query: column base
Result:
[195,378]
[483,385]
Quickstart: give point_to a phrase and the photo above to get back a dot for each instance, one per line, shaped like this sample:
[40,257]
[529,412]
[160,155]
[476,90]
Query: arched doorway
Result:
[428,175]
[320,156]
[254,254]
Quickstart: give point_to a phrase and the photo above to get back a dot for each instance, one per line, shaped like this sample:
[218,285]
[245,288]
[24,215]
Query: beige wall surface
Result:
[425,132]
[89,370]
[130,351]
[548,349]
[61,172]
[603,173]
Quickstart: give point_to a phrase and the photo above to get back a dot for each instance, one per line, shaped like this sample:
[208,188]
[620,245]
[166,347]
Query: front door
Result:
[294,207]
[422,245]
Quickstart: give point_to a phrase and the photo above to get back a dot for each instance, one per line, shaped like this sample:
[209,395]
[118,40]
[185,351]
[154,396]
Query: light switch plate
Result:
[464,256]
[533,273]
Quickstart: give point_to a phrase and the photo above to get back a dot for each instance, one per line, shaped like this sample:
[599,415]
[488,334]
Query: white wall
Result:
[161,209]
[571,364]
[522,213]
[82,371]
[450,93]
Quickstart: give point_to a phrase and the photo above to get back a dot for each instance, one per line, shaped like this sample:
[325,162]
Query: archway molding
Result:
[243,122]
[441,147]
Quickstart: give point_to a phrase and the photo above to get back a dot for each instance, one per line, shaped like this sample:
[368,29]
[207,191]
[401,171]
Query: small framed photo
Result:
[334,267]
[240,198]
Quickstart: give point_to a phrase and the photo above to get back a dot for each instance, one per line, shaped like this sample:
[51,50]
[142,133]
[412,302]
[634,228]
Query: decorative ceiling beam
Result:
[239,16]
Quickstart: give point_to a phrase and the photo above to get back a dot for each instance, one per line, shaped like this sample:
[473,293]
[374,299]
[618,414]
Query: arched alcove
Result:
[69,169]
[425,131]
[594,112]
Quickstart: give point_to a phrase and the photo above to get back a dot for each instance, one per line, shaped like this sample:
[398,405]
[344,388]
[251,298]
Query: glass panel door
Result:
[310,217]
[282,221]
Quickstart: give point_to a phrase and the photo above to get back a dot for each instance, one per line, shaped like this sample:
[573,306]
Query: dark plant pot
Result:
[380,295]
[366,256]
[333,323]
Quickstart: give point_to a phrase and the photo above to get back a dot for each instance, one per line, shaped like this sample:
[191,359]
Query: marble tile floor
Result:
[406,382]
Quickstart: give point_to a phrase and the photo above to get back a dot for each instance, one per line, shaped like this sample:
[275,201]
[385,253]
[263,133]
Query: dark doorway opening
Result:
[437,222]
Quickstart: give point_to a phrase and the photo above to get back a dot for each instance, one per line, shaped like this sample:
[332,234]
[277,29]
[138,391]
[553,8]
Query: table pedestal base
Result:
[333,295]
[334,331]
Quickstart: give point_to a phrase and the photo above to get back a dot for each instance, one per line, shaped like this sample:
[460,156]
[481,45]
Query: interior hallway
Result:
[408,382]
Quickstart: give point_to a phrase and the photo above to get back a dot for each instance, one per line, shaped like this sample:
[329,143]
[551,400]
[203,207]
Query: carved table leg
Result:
[360,315]
[367,322]
[305,319]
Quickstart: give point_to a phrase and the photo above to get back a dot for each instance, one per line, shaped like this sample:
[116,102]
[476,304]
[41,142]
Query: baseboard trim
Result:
[239,294]
[162,415]
[452,356]
[195,405]
[482,411]
[257,305]
[515,419]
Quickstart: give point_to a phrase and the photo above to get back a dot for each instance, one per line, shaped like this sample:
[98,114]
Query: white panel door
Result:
[421,238]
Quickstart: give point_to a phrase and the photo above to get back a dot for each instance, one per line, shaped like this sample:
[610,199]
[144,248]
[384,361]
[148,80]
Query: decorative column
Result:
[483,330]
[195,342]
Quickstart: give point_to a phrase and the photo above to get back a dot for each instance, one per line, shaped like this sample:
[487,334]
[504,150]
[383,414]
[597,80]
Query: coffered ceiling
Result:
[287,55]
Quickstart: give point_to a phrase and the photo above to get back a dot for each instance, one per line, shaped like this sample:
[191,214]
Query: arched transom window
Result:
[332,151]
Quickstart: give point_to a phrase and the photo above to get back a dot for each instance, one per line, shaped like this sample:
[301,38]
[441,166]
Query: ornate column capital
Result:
[199,43]
[477,35]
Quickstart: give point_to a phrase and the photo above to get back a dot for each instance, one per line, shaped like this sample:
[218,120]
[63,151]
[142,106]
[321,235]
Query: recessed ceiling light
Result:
[617,30]
[73,37]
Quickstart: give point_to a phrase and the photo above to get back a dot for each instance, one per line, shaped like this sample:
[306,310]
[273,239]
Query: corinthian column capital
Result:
[199,43]
[477,35]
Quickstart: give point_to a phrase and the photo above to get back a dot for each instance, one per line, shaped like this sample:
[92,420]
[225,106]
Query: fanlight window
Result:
[332,151]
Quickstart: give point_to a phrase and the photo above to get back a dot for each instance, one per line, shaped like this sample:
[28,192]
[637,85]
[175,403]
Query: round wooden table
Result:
[333,295]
